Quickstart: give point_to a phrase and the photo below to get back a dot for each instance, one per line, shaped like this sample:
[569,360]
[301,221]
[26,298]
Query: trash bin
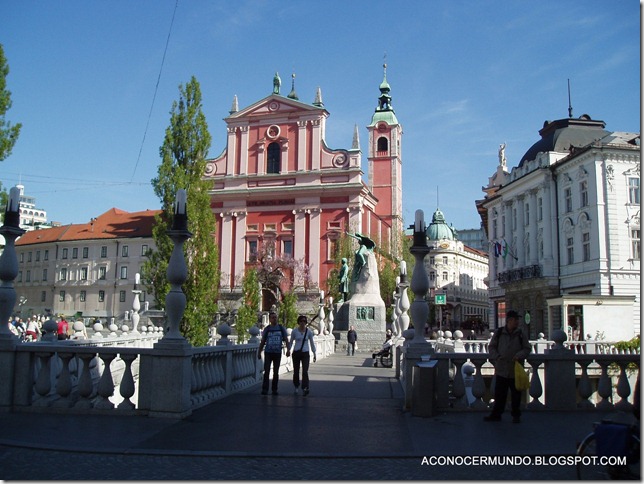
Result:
[423,395]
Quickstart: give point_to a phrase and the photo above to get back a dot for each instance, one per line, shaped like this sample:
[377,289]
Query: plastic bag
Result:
[521,380]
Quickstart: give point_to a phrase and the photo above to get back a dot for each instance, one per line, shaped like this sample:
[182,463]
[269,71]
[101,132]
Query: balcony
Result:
[521,273]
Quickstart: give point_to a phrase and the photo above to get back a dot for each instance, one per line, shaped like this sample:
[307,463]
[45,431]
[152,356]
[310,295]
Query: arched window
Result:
[383,144]
[273,158]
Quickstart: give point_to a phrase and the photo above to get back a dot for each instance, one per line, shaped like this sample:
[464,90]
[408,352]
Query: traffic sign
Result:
[440,299]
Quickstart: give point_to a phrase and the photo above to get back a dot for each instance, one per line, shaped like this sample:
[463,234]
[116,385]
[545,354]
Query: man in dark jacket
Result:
[508,345]
[352,337]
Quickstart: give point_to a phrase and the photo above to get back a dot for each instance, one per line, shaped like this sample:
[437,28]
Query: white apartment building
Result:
[87,269]
[457,271]
[564,232]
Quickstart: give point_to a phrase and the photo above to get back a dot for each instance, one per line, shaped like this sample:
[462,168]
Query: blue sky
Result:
[465,77]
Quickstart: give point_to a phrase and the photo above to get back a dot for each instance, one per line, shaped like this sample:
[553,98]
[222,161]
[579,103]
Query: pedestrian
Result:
[272,338]
[63,327]
[33,331]
[508,345]
[352,337]
[302,343]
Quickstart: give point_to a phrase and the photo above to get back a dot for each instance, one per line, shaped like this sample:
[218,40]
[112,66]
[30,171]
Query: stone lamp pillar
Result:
[321,314]
[419,279]
[9,265]
[136,304]
[331,317]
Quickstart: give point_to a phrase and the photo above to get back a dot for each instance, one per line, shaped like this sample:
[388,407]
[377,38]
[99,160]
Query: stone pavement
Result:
[351,427]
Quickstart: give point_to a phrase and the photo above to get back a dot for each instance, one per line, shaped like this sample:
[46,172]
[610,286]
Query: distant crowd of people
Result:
[33,328]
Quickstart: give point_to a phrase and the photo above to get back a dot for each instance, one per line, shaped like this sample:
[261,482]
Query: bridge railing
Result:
[560,378]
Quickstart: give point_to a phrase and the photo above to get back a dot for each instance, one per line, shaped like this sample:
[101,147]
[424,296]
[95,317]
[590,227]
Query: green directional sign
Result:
[440,299]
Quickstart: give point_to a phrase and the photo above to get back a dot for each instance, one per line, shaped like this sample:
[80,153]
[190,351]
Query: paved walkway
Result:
[351,427]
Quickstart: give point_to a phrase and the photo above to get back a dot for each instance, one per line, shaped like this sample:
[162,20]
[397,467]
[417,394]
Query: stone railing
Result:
[560,379]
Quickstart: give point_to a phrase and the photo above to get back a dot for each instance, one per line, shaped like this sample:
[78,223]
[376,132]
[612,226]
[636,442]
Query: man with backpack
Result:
[508,345]
[272,338]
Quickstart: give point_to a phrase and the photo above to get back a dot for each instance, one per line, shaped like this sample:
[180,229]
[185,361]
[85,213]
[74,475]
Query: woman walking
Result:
[301,344]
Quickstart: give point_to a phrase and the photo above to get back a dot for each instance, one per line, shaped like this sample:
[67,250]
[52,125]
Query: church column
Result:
[231,156]
[315,232]
[299,244]
[316,142]
[261,155]
[226,250]
[240,252]
[243,151]
[300,164]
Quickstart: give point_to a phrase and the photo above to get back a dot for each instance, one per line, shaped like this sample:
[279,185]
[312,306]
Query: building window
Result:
[274,153]
[75,253]
[494,236]
[29,257]
[46,255]
[144,250]
[635,243]
[61,296]
[101,296]
[287,248]
[568,199]
[332,247]
[44,274]
[252,251]
[85,252]
[445,276]
[83,296]
[104,251]
[634,191]
[123,272]
[570,245]
[585,237]
[65,250]
[383,144]
[539,209]
[37,256]
[527,213]
[102,272]
[124,251]
[63,274]
[83,274]
[514,219]
[122,296]
[583,193]
[43,296]
[19,277]
[432,260]
[28,276]
[445,260]
[432,276]
[541,249]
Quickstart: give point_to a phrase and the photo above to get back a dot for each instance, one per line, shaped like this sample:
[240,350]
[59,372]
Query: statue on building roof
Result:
[502,160]
[277,82]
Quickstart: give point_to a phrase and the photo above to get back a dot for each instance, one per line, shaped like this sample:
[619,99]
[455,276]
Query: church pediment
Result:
[275,105]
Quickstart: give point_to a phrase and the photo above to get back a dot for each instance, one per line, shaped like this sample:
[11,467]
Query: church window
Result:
[634,190]
[273,158]
[383,144]
[635,244]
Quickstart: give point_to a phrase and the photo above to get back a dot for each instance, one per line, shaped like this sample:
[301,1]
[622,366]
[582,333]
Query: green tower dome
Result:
[438,229]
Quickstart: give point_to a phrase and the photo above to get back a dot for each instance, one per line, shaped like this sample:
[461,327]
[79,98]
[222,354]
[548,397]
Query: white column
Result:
[520,231]
[549,223]
[240,252]
[507,235]
[534,250]
[316,144]
[299,242]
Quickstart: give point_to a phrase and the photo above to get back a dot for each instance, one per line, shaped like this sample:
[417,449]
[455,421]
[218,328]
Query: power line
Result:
[156,88]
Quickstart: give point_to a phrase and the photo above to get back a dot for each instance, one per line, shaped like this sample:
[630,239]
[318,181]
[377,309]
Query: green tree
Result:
[183,164]
[288,309]
[343,248]
[247,314]
[8,133]
[387,275]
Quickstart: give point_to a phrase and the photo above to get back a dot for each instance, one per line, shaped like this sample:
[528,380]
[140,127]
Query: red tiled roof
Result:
[115,223]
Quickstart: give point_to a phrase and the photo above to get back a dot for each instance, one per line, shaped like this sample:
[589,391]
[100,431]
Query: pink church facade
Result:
[277,181]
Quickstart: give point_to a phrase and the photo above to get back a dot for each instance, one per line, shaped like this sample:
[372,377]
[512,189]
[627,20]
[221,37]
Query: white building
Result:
[458,272]
[564,232]
[84,269]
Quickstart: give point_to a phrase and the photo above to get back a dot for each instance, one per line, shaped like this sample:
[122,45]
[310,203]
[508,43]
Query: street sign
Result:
[440,299]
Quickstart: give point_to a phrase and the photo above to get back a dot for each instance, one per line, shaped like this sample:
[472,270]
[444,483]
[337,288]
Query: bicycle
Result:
[611,451]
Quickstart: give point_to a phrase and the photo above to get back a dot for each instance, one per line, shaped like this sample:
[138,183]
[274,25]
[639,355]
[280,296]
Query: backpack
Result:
[274,338]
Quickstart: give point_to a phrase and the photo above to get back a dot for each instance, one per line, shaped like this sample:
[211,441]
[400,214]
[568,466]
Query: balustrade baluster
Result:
[604,388]
[536,388]
[105,384]
[43,381]
[584,388]
[458,385]
[64,383]
[478,387]
[623,390]
[126,388]
[85,384]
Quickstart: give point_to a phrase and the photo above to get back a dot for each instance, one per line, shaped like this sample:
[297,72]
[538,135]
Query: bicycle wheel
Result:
[589,469]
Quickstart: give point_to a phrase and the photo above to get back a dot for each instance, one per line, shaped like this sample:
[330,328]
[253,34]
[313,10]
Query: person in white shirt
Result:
[302,343]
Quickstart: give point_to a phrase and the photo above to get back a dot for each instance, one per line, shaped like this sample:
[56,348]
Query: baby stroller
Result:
[385,354]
